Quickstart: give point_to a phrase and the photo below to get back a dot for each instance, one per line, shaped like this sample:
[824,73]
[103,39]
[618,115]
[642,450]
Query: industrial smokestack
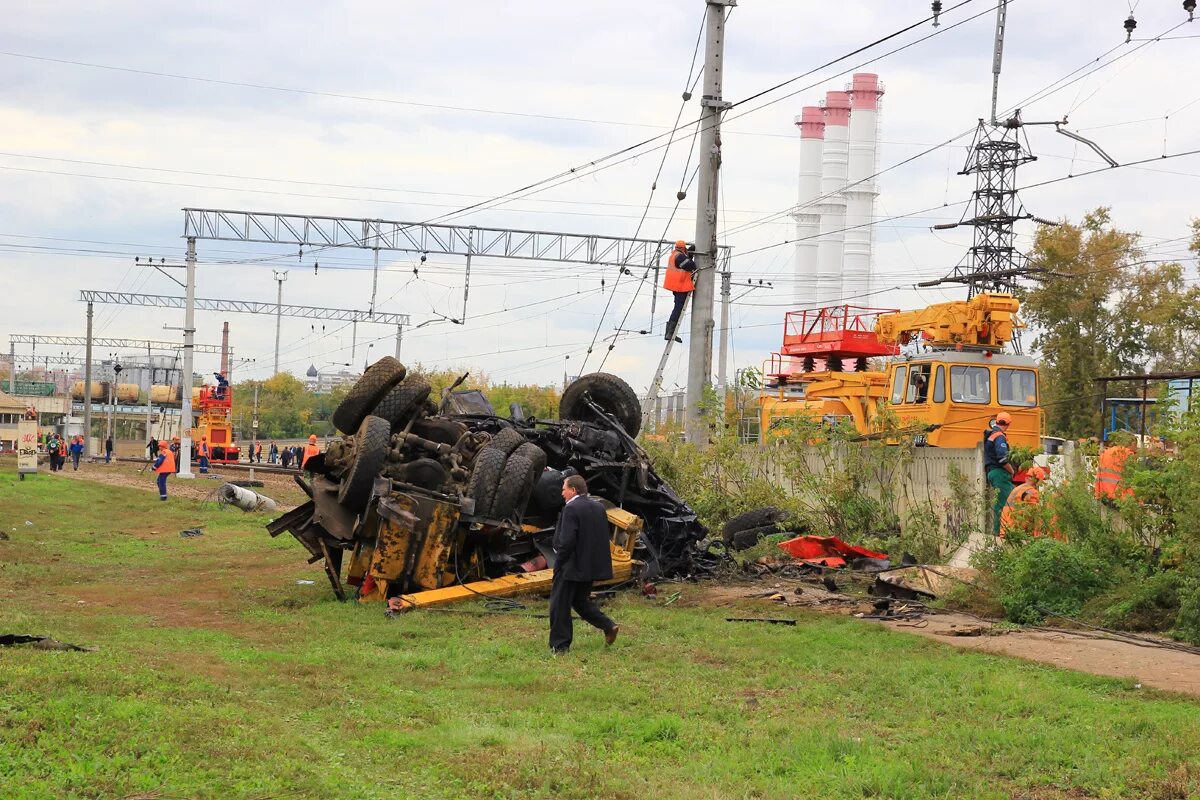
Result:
[811,123]
[865,91]
[225,349]
[833,206]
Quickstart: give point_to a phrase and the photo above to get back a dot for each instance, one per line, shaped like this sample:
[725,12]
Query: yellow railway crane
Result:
[952,378]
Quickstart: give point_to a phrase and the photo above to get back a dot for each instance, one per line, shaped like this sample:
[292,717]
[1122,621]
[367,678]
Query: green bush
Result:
[1187,622]
[1139,602]
[1047,576]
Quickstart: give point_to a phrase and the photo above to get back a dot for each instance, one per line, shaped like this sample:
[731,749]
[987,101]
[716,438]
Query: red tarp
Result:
[825,551]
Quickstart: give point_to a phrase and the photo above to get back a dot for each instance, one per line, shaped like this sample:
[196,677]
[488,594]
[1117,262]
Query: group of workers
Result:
[1014,504]
[167,461]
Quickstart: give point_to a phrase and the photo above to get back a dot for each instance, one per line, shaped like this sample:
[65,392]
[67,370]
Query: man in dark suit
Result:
[581,556]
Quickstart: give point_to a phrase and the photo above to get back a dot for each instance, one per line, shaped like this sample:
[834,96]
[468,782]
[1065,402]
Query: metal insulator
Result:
[1190,7]
[1130,25]
[937,12]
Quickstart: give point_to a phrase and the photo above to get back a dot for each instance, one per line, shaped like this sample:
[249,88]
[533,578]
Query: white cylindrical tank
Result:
[828,287]
[865,91]
[811,123]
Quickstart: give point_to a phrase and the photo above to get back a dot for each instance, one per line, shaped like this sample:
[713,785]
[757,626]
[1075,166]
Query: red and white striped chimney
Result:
[833,205]
[865,91]
[811,123]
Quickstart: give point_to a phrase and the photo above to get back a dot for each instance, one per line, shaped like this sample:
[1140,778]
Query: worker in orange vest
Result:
[310,449]
[1111,468]
[164,465]
[1018,514]
[202,452]
[680,281]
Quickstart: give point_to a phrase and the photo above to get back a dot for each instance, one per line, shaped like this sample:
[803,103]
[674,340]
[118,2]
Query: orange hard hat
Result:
[1004,418]
[1038,473]
[163,445]
[312,438]
[681,245]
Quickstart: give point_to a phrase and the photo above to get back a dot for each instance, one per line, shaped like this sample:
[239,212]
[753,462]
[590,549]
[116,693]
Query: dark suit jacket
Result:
[581,550]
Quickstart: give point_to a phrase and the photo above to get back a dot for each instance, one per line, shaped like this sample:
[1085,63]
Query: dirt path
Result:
[1156,667]
[282,488]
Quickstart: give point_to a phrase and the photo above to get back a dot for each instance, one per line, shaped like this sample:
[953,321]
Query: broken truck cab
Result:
[436,504]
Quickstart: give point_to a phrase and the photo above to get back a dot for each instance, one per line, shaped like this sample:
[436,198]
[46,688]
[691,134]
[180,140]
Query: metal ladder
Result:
[656,383]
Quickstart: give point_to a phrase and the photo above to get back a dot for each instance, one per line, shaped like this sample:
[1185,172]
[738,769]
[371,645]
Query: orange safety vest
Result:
[1109,472]
[1021,494]
[678,280]
[168,464]
[310,450]
[203,450]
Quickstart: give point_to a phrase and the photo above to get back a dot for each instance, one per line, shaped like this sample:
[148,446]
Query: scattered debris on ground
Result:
[189,533]
[231,494]
[40,643]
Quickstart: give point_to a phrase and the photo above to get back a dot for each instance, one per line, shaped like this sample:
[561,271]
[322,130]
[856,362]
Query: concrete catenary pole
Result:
[87,386]
[865,91]
[811,123]
[712,107]
[280,277]
[723,349]
[833,205]
[185,380]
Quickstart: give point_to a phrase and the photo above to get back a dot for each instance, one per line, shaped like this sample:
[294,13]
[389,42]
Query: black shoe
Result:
[561,652]
[676,339]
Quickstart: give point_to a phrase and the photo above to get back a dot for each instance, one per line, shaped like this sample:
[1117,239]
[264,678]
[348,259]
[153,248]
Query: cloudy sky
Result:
[114,116]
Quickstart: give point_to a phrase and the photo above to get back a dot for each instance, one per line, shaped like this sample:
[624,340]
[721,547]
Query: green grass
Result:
[219,677]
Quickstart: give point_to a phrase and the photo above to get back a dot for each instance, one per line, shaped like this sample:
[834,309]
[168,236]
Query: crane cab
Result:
[959,392]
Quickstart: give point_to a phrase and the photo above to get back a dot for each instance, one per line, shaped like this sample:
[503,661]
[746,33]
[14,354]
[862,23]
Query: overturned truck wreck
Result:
[441,502]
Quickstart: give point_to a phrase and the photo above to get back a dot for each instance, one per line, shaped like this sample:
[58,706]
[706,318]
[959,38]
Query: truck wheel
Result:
[748,537]
[521,471]
[534,453]
[373,440]
[376,382]
[768,515]
[405,399]
[506,441]
[485,477]
[607,391]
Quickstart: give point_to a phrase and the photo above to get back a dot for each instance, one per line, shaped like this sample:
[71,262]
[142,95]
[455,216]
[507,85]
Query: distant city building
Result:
[325,382]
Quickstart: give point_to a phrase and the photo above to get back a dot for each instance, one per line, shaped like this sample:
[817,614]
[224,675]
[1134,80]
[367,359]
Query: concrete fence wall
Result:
[919,480]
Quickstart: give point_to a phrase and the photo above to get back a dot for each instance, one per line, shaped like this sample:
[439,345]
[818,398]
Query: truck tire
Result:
[506,441]
[748,537]
[534,453]
[373,439]
[403,402]
[768,515]
[376,382]
[485,477]
[515,485]
[609,392]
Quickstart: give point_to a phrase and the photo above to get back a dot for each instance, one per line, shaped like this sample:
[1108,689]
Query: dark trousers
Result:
[162,485]
[204,463]
[564,596]
[681,299]
[75,460]
[108,456]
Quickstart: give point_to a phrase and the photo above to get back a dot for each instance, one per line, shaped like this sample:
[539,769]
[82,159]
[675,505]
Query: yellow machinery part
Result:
[626,528]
